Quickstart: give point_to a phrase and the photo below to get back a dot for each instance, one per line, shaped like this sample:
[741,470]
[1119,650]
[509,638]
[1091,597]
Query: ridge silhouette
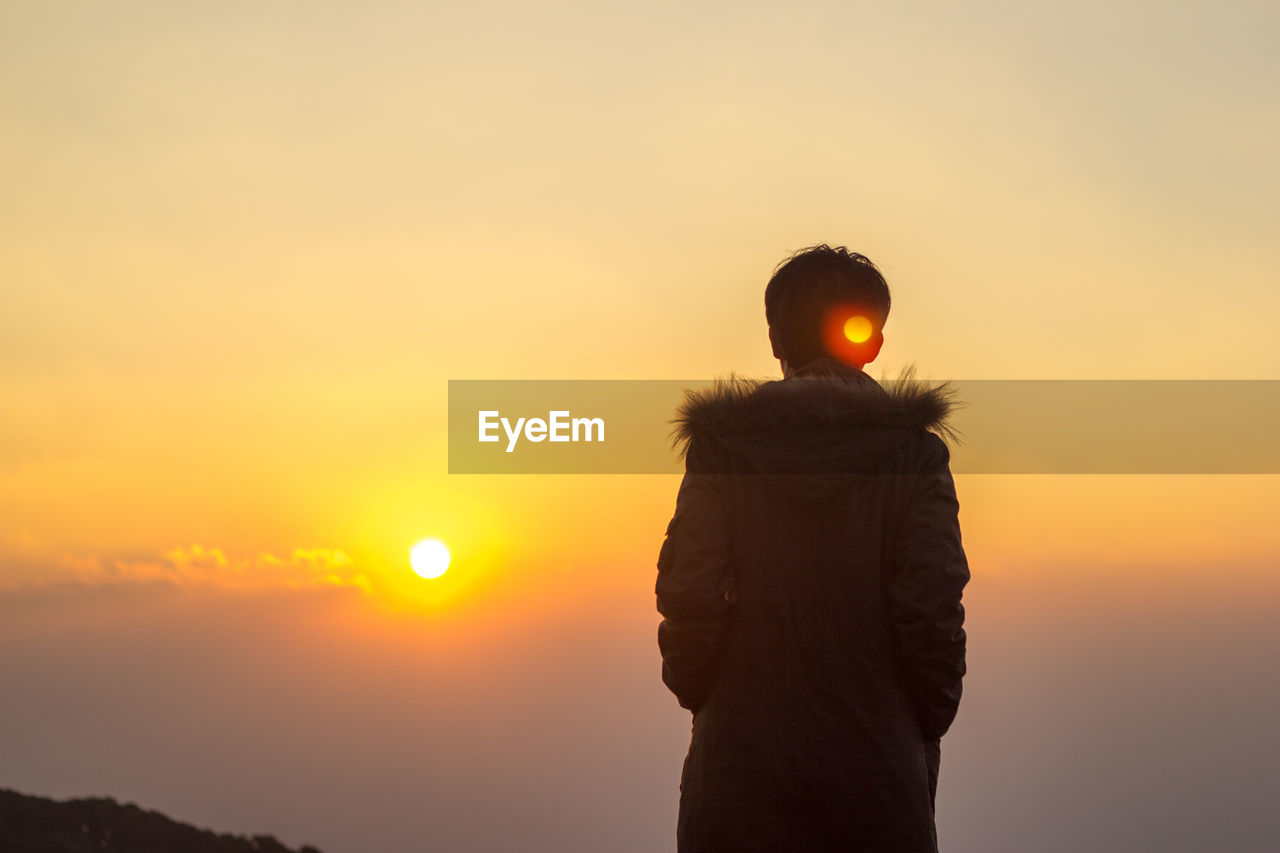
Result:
[32,824]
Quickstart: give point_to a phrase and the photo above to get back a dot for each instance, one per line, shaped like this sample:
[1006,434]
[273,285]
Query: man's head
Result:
[825,302]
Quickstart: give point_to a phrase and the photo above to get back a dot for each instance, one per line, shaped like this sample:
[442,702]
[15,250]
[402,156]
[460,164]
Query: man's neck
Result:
[818,367]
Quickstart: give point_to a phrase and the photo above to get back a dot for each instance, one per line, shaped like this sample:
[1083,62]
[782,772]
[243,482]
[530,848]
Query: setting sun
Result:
[429,558]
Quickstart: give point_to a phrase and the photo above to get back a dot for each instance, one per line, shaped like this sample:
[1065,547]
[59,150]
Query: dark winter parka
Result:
[810,584]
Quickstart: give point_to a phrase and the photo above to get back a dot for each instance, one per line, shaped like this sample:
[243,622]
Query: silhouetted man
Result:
[810,582]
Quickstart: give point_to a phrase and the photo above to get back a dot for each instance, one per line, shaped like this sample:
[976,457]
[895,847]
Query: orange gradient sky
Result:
[244,246]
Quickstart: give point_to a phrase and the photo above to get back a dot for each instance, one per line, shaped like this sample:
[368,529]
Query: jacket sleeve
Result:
[694,586]
[928,573]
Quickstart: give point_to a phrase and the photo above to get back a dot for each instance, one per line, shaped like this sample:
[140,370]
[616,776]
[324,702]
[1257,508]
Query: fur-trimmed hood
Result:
[828,417]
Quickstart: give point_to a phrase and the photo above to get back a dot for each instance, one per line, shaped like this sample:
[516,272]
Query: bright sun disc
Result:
[429,558]
[857,329]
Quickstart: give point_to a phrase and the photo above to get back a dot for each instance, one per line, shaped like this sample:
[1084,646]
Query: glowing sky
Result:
[243,247]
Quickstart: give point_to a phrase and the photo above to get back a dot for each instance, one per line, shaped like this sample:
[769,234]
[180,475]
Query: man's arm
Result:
[694,580]
[927,576]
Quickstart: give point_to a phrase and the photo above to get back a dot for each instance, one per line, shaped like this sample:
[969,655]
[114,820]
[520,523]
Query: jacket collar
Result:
[824,396]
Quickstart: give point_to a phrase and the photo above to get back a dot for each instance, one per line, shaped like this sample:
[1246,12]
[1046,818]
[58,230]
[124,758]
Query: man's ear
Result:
[873,346]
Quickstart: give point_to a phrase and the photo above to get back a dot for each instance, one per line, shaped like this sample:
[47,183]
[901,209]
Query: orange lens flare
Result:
[858,329]
[848,334]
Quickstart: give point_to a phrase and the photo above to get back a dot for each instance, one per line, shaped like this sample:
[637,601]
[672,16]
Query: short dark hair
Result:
[807,286]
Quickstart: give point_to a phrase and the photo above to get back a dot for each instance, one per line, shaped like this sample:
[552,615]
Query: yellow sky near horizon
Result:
[244,247]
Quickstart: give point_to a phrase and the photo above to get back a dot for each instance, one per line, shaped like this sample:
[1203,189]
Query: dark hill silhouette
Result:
[39,825]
